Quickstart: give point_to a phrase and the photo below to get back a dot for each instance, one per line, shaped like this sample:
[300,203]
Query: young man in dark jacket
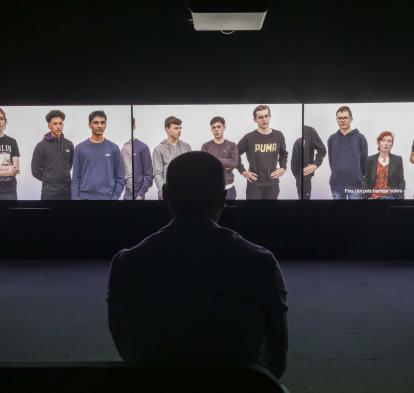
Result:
[348,153]
[303,168]
[52,159]
[225,151]
[266,153]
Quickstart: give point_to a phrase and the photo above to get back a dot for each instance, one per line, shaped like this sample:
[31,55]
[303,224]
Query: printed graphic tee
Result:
[8,150]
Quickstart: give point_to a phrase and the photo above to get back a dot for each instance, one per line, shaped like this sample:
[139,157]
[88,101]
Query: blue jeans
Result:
[345,195]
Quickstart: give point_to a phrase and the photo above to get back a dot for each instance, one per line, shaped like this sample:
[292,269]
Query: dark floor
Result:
[351,323]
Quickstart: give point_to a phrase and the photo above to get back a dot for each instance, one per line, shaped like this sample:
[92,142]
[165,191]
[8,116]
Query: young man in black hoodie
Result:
[52,159]
[303,168]
[266,153]
[348,153]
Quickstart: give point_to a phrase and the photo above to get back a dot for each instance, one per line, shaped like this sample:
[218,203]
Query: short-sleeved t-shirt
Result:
[8,150]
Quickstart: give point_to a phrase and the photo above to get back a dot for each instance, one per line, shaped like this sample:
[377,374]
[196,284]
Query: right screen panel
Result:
[370,149]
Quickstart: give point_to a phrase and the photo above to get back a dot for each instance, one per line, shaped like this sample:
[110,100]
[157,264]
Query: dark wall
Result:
[292,229]
[145,52]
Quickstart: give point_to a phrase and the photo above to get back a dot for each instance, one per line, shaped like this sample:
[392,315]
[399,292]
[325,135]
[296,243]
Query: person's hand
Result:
[13,171]
[308,170]
[278,173]
[250,176]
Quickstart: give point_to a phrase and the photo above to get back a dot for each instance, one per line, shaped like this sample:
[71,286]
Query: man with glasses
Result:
[98,171]
[9,162]
[347,152]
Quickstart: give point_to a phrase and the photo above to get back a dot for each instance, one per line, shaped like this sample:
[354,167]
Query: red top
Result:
[382,181]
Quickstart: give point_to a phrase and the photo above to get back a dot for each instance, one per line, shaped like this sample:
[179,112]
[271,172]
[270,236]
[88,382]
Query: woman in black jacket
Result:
[384,173]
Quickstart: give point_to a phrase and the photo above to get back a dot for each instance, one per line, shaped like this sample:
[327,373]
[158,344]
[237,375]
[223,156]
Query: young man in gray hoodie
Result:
[167,150]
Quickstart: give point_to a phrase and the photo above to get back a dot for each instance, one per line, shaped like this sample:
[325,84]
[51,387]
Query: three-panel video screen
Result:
[268,151]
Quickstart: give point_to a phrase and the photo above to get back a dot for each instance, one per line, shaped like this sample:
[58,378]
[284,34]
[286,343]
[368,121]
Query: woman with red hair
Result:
[384,173]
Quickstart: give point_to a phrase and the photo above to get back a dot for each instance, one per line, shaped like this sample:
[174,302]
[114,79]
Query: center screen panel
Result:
[263,134]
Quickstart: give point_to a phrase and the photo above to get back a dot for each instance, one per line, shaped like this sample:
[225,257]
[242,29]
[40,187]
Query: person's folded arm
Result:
[118,174]
[76,175]
[320,148]
[232,160]
[148,172]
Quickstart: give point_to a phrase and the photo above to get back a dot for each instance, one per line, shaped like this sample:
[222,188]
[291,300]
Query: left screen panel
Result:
[99,166]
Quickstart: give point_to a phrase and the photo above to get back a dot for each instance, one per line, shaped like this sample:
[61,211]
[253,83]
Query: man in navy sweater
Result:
[347,152]
[98,171]
[141,162]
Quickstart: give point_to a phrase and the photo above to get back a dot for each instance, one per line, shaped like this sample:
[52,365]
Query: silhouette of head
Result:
[195,185]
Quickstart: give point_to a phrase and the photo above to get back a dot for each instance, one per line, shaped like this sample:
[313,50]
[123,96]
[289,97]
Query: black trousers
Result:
[255,192]
[8,196]
[307,187]
[62,196]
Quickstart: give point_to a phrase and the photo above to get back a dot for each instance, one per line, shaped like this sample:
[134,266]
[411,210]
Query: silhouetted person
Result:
[195,292]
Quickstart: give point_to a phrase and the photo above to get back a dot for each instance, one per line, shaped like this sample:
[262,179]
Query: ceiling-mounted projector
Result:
[228,15]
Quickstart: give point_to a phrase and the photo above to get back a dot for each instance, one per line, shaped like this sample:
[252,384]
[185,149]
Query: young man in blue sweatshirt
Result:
[98,171]
[347,152]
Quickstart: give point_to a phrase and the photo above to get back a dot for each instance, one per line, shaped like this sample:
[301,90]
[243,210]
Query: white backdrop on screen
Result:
[239,121]
[371,120]
[27,125]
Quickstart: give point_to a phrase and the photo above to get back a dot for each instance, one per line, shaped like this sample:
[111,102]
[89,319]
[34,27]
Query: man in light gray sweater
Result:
[167,150]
